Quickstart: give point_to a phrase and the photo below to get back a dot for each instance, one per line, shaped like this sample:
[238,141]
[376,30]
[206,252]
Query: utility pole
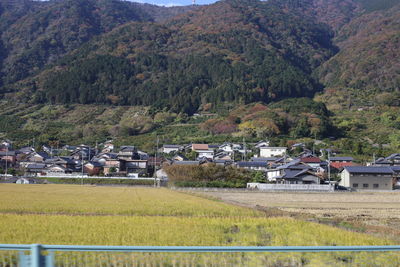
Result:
[155,162]
[245,150]
[329,167]
[373,161]
[82,166]
[6,160]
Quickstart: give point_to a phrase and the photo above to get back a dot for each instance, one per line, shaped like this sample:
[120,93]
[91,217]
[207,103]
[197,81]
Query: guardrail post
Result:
[36,256]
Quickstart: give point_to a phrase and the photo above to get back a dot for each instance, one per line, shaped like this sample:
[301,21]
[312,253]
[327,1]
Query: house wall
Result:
[373,182]
[271,174]
[206,154]
[168,150]
[268,152]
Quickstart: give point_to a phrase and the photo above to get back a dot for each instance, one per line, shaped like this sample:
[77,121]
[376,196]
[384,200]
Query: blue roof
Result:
[369,169]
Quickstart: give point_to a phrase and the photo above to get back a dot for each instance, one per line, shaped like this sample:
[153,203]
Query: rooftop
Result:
[341,158]
[369,169]
[200,146]
[244,164]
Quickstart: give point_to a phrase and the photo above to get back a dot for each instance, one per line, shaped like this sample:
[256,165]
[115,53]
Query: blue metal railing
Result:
[42,255]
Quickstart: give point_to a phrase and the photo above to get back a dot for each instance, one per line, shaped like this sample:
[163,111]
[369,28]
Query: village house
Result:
[56,170]
[367,177]
[262,144]
[253,165]
[392,160]
[83,152]
[221,155]
[35,169]
[7,158]
[203,151]
[134,166]
[38,157]
[128,153]
[108,147]
[268,152]
[92,168]
[171,149]
[111,165]
[65,162]
[298,176]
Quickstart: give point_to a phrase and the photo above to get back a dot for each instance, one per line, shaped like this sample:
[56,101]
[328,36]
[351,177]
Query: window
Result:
[376,185]
[355,185]
[365,185]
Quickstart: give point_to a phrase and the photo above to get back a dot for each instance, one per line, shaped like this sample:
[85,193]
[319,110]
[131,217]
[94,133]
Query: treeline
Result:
[209,175]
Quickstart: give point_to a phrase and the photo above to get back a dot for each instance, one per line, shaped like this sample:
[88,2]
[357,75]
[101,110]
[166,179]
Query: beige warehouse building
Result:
[367,177]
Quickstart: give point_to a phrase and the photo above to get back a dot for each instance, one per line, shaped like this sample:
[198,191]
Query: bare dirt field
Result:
[373,212]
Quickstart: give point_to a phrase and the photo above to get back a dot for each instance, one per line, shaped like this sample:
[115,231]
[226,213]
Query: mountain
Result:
[184,58]
[242,51]
[34,34]
[368,64]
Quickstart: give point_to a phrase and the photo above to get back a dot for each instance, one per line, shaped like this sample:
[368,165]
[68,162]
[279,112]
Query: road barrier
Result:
[37,255]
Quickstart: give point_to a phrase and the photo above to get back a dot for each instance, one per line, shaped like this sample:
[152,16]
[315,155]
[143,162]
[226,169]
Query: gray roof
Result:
[264,159]
[394,156]
[341,159]
[395,168]
[244,164]
[291,174]
[36,166]
[369,169]
[7,153]
[128,149]
[186,162]
[289,164]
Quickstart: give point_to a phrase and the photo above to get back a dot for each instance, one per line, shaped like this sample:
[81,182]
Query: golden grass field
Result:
[375,212]
[89,215]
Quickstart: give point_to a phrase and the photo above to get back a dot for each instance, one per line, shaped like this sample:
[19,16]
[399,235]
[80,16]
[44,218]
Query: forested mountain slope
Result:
[368,64]
[180,59]
[34,33]
[242,51]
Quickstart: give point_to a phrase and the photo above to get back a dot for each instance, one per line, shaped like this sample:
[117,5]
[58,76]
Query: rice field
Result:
[88,215]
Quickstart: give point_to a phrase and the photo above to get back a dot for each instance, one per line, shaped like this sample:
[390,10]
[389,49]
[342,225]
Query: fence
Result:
[291,187]
[56,255]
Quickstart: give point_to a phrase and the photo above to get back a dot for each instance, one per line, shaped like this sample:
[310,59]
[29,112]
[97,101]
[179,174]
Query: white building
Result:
[171,148]
[267,152]
[203,151]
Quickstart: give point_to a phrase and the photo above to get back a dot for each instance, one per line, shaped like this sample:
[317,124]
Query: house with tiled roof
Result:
[203,151]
